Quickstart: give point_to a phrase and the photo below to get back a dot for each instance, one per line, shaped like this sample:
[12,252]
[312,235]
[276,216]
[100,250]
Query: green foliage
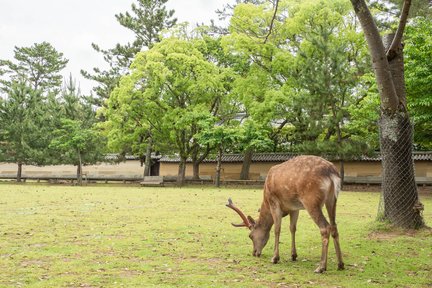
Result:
[418,77]
[76,143]
[171,91]
[301,82]
[76,140]
[24,135]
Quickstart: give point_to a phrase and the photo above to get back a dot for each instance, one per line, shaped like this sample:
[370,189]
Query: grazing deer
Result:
[304,182]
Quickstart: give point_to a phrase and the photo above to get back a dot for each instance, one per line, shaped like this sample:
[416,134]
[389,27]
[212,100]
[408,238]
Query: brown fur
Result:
[304,182]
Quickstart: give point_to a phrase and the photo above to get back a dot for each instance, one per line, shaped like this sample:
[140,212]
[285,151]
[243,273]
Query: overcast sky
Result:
[72,25]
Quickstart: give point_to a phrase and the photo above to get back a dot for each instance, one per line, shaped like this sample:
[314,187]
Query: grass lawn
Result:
[111,236]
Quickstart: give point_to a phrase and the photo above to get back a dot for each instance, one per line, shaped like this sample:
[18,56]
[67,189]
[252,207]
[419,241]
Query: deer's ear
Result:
[251,220]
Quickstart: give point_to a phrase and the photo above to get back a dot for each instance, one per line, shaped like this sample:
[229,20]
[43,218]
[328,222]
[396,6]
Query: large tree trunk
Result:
[400,200]
[247,160]
[399,191]
[400,197]
[19,172]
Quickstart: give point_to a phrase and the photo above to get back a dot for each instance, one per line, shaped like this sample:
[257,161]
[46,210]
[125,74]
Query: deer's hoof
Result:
[294,257]
[275,259]
[341,266]
[320,270]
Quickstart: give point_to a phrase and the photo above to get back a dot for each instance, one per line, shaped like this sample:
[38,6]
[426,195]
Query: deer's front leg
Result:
[277,219]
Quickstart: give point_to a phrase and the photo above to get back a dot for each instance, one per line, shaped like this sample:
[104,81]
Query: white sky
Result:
[71,27]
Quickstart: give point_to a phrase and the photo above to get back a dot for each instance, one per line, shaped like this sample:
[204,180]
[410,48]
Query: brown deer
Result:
[304,182]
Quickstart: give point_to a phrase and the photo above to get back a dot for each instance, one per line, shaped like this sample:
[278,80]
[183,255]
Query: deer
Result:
[303,182]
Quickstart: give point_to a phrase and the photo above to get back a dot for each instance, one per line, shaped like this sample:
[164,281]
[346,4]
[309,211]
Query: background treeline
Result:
[298,80]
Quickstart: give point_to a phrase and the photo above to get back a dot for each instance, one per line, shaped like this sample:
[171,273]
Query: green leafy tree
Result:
[76,140]
[305,63]
[181,87]
[220,137]
[76,144]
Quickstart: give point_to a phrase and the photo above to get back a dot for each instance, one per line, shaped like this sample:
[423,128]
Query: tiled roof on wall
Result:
[281,157]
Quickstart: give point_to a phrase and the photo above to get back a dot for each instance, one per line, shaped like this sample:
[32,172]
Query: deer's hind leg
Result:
[331,209]
[314,210]
[293,227]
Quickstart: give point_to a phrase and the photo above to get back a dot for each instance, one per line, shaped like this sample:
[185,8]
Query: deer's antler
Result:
[246,222]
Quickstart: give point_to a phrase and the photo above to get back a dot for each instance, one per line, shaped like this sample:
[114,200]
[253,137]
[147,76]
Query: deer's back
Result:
[303,178]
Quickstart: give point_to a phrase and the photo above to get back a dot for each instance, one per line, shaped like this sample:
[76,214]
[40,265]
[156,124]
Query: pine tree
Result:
[147,20]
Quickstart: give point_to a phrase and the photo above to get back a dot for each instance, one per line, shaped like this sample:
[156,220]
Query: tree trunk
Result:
[79,170]
[399,191]
[342,172]
[148,161]
[196,169]
[400,197]
[247,160]
[19,172]
[218,166]
[181,172]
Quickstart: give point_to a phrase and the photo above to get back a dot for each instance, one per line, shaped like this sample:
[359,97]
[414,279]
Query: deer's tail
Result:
[336,181]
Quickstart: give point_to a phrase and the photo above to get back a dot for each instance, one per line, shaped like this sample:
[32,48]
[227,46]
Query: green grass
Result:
[110,236]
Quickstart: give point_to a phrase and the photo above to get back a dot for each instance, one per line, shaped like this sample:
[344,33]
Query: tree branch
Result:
[272,21]
[386,87]
[392,50]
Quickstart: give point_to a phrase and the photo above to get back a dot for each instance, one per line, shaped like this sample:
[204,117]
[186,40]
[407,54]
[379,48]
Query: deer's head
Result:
[258,233]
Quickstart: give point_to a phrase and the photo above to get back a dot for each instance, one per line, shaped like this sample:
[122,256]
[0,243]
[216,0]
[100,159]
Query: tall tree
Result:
[39,65]
[181,88]
[23,135]
[400,197]
[76,140]
[147,19]
[304,62]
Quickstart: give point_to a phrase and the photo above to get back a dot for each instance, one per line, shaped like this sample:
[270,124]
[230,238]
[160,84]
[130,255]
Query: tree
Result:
[219,137]
[76,144]
[400,197]
[147,20]
[39,65]
[76,140]
[181,88]
[305,61]
[23,136]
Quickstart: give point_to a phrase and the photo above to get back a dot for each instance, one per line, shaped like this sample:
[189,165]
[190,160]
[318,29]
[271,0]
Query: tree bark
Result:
[218,166]
[387,91]
[247,160]
[148,161]
[19,172]
[181,172]
[400,195]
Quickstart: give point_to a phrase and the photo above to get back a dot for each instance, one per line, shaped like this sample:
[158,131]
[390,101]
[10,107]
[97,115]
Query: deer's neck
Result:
[265,219]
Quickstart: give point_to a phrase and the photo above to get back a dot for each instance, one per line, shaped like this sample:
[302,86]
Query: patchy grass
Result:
[105,236]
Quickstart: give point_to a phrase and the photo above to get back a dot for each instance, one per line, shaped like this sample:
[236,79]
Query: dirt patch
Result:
[387,235]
